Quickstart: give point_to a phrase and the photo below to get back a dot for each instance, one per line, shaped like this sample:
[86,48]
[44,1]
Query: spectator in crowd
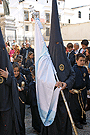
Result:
[22,49]
[26,51]
[13,42]
[87,60]
[8,43]
[87,63]
[8,48]
[17,49]
[12,52]
[71,53]
[84,45]
[29,60]
[76,48]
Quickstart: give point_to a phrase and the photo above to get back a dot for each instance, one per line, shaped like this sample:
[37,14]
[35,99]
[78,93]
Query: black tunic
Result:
[22,100]
[81,81]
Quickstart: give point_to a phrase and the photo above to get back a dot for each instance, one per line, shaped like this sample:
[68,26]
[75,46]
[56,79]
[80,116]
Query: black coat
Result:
[72,57]
[22,50]
[22,94]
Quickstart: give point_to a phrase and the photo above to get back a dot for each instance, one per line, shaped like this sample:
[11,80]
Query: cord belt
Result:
[80,98]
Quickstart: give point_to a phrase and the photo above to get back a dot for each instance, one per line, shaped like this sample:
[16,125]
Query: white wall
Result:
[75,32]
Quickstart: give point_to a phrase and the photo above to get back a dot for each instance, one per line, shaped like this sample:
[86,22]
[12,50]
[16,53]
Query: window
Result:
[26,16]
[68,20]
[36,14]
[47,31]
[79,14]
[89,16]
[47,17]
[26,28]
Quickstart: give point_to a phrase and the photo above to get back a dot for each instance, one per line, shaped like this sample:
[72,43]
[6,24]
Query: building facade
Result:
[22,12]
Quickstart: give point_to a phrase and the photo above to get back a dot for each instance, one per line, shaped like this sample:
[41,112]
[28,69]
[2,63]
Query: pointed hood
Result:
[5,62]
[4,58]
[56,47]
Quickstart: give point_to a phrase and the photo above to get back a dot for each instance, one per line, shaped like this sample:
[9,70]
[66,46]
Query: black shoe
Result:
[78,125]
[84,122]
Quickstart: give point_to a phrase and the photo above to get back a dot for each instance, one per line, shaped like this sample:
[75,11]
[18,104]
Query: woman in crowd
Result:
[12,52]
[29,60]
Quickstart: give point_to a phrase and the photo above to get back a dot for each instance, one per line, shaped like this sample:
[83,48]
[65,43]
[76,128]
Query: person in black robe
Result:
[26,51]
[81,85]
[65,74]
[22,88]
[36,121]
[22,70]
[10,118]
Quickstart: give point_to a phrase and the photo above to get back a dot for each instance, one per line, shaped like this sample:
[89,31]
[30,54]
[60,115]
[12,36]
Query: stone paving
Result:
[31,131]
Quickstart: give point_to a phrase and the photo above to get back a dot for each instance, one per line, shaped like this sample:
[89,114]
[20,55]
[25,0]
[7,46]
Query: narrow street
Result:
[31,131]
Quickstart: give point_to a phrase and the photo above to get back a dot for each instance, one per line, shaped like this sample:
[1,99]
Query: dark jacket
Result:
[72,57]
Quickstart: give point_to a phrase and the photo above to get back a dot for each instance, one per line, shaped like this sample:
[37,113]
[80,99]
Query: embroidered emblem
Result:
[61,67]
[1,80]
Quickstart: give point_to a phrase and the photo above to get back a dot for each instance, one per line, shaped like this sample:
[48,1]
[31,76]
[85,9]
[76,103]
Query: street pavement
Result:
[31,131]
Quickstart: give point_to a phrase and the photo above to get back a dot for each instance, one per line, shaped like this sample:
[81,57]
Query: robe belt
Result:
[80,99]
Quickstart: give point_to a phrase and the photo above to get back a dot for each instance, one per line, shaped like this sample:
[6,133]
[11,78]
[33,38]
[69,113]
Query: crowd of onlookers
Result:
[22,60]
